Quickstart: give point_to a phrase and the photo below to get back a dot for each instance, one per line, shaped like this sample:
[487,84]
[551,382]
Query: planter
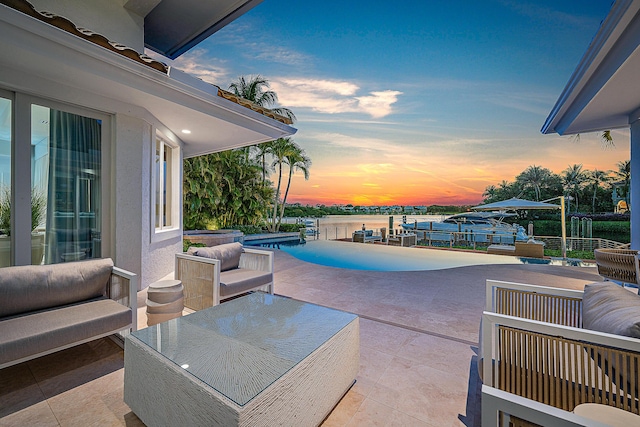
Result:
[37,249]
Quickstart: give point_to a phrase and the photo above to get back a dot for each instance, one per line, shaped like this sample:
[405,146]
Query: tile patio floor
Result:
[419,333]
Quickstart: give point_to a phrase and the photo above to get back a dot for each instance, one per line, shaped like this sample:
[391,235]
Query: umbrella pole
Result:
[564,229]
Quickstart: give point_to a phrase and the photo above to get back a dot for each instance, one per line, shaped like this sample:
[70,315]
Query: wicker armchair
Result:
[206,284]
[619,265]
[544,363]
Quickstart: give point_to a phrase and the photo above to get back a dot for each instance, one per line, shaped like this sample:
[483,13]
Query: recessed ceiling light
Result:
[187,131]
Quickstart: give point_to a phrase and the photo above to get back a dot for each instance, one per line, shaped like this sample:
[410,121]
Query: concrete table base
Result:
[162,393]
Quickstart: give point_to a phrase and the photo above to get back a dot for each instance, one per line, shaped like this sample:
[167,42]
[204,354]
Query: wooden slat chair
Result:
[237,270]
[544,363]
[619,265]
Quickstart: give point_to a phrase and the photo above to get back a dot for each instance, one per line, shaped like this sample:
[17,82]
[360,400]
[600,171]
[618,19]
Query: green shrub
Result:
[186,244]
[570,254]
[291,228]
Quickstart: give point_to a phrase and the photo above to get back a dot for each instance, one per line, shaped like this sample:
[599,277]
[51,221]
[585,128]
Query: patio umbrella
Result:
[515,204]
[521,204]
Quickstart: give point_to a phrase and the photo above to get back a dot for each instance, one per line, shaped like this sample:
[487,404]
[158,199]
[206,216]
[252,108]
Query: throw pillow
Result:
[228,254]
[608,307]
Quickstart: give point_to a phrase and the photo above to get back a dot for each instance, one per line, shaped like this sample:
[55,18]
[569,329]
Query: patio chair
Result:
[212,274]
[365,236]
[552,350]
[619,265]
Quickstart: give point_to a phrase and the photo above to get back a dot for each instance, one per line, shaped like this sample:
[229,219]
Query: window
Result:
[166,180]
[5,181]
[51,200]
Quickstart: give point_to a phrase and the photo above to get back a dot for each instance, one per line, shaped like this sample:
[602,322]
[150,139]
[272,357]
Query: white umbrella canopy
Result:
[515,204]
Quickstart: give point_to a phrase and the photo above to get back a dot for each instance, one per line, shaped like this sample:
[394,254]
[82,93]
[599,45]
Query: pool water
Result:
[358,256]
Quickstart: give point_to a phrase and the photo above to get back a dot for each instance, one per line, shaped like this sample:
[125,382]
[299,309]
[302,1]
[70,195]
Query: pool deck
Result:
[419,333]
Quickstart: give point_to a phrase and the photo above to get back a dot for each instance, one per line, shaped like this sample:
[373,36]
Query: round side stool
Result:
[165,301]
[607,414]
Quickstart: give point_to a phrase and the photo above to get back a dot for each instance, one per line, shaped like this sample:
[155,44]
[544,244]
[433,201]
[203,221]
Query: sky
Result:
[414,102]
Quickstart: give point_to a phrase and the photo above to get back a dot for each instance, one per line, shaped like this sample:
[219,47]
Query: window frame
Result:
[174,187]
[21,166]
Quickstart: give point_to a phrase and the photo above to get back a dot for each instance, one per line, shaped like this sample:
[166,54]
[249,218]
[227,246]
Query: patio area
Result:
[419,335]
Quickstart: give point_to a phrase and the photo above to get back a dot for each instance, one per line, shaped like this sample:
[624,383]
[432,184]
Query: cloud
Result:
[361,143]
[197,63]
[333,97]
[376,169]
[378,104]
[243,36]
[321,85]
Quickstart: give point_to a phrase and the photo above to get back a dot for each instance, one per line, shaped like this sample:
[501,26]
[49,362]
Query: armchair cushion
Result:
[228,254]
[240,280]
[608,307]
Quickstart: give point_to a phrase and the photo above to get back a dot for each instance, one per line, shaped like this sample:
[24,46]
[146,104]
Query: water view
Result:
[333,227]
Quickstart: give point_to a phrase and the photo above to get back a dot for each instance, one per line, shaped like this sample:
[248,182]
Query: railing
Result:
[473,239]
[579,243]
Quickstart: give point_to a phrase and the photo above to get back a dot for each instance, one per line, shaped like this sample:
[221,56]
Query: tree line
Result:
[586,191]
[235,187]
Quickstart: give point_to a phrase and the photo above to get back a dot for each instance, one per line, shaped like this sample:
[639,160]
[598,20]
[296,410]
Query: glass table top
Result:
[242,346]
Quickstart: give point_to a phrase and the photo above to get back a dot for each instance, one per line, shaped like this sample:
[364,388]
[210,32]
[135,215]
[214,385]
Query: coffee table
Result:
[257,360]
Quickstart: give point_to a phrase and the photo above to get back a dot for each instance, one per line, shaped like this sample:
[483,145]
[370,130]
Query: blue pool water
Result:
[358,256]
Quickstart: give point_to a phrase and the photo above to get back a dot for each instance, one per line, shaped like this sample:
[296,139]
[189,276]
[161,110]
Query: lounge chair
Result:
[215,273]
[619,265]
[403,239]
[366,236]
[552,350]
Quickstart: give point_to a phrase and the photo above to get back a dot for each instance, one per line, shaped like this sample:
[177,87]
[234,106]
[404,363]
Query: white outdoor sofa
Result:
[212,274]
[544,362]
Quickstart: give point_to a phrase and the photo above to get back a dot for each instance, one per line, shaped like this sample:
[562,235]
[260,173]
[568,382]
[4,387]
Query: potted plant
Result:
[38,212]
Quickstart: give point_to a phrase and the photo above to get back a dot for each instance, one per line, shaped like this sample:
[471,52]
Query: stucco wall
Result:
[106,17]
[134,251]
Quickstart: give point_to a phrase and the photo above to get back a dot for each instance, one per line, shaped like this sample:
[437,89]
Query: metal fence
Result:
[472,239]
[579,243]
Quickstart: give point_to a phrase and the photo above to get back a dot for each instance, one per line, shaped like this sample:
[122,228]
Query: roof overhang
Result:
[175,26]
[603,92]
[40,59]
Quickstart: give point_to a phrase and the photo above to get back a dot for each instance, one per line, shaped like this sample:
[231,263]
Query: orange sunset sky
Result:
[428,103]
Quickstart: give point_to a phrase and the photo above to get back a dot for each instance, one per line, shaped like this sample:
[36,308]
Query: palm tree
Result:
[490,193]
[534,177]
[262,150]
[297,160]
[597,177]
[255,89]
[605,138]
[624,174]
[280,150]
[572,178]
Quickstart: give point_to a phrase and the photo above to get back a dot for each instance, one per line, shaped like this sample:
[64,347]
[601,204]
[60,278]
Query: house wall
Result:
[134,249]
[635,187]
[105,17]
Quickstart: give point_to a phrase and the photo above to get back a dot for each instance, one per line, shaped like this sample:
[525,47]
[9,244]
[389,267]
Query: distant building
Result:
[619,197]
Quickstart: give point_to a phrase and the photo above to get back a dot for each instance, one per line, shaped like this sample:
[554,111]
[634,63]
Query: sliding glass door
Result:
[66,191]
[56,183]
[6,106]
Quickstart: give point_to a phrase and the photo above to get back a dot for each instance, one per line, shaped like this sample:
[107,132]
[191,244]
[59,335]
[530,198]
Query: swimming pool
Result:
[358,256]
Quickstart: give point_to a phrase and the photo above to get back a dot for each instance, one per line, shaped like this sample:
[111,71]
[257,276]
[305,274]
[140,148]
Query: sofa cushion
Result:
[228,254]
[35,287]
[242,280]
[608,307]
[30,334]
